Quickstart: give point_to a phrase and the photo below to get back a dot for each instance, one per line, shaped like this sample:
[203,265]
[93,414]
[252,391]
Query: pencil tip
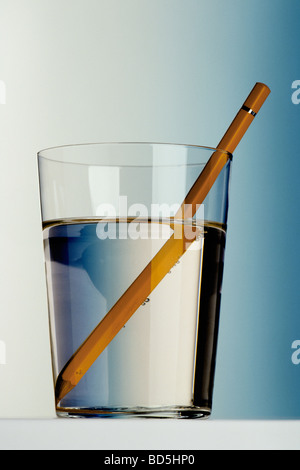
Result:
[62,388]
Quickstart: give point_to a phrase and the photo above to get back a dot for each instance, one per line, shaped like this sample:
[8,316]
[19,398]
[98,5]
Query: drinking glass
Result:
[109,210]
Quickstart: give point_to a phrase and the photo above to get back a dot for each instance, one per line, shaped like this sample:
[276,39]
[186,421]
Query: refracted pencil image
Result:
[134,238]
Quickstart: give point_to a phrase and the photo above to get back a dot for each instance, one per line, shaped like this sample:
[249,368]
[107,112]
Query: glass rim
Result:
[53,158]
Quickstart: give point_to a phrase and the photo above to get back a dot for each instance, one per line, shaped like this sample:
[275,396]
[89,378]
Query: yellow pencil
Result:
[165,259]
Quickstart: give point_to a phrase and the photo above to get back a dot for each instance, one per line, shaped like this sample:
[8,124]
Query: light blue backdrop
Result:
[258,41]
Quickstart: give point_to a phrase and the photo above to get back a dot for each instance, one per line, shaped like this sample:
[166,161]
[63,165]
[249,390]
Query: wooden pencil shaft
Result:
[165,259]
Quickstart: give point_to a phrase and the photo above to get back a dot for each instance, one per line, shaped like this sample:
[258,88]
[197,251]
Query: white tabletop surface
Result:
[69,434]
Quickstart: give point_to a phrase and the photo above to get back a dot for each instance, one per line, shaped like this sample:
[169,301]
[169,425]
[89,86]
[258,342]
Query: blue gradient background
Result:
[260,310]
[169,71]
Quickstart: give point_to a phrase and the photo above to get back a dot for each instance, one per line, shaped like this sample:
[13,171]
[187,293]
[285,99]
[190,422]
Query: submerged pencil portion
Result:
[166,257]
[62,388]
[121,312]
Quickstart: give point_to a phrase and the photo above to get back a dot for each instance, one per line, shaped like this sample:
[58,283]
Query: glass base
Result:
[139,412]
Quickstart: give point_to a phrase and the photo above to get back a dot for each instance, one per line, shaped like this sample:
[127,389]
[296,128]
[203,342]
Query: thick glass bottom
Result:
[140,412]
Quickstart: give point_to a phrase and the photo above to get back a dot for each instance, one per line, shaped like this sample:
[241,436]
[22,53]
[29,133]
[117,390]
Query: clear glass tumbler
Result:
[134,286]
